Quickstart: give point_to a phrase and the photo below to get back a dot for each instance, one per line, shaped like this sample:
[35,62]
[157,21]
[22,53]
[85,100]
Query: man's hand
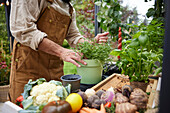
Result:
[71,56]
[67,55]
[101,38]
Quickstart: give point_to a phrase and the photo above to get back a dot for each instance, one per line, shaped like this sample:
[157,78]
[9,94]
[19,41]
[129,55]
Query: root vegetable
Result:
[120,98]
[91,99]
[97,103]
[125,108]
[90,92]
[83,96]
[99,93]
[126,90]
[139,98]
[108,96]
[89,110]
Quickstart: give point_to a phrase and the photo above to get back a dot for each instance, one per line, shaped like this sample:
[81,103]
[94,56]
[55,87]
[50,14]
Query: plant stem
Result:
[140,61]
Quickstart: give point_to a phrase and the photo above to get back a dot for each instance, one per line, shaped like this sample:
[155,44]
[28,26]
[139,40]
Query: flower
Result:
[5,67]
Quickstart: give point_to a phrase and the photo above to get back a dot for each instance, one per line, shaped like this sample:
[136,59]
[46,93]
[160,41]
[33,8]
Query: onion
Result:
[107,96]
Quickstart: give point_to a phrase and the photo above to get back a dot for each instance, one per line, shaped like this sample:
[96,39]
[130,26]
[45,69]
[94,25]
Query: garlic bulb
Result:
[90,92]
[139,98]
[125,108]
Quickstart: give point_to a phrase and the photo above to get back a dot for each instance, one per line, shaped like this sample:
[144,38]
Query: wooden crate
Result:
[118,80]
[115,81]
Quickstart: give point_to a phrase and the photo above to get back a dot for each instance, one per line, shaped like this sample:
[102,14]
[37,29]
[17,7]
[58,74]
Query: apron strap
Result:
[70,10]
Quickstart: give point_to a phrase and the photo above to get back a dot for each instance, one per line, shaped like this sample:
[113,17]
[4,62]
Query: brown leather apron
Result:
[29,64]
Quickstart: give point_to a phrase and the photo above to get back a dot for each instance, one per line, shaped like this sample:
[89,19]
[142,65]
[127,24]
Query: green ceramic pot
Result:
[90,73]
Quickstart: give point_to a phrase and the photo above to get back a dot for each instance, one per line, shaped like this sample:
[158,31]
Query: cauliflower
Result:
[44,93]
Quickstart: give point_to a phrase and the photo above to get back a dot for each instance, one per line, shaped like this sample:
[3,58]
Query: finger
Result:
[79,60]
[103,34]
[79,54]
[105,37]
[76,55]
[74,62]
[102,41]
[102,109]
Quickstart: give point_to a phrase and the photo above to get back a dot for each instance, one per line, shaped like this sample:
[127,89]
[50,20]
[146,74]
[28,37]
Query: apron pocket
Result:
[55,63]
[27,60]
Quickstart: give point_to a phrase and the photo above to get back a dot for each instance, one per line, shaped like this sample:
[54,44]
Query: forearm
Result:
[67,55]
[50,47]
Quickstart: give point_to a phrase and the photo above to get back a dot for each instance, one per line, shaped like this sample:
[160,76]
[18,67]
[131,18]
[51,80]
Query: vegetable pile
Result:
[39,93]
[127,100]
[51,97]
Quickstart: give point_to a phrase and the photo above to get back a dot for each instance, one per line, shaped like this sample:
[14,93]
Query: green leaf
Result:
[104,4]
[99,19]
[27,89]
[58,83]
[117,7]
[29,85]
[98,3]
[40,80]
[106,1]
[151,12]
[62,93]
[143,39]
[115,52]
[132,53]
[134,43]
[27,103]
[157,71]
[110,12]
[137,35]
[32,107]
[41,106]
[68,88]
[143,56]
[116,13]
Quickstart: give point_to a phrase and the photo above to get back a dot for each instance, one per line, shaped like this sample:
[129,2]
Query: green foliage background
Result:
[5,56]
[3,30]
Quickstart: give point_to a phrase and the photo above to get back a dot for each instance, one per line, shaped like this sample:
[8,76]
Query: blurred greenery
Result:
[69,68]
[85,17]
[5,56]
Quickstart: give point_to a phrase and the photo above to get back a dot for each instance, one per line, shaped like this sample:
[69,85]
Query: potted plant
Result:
[5,63]
[94,55]
[138,55]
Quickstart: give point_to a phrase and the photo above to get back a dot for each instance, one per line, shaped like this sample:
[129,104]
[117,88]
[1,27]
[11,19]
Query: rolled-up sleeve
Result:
[73,33]
[24,14]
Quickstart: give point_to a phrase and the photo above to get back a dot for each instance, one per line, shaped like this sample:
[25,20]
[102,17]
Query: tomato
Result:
[108,105]
[19,101]
[75,101]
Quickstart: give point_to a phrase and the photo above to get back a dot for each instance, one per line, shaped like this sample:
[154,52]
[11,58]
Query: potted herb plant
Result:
[94,55]
[138,56]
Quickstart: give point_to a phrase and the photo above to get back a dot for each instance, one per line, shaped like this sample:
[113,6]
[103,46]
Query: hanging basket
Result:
[4,90]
